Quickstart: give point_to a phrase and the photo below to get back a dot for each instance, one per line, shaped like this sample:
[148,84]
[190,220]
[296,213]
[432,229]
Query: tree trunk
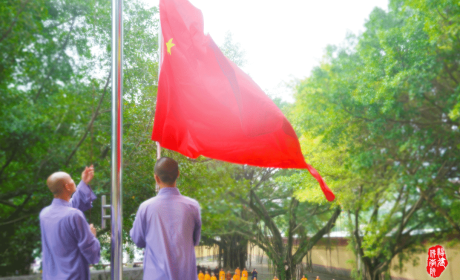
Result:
[219,260]
[282,273]
[235,251]
[372,272]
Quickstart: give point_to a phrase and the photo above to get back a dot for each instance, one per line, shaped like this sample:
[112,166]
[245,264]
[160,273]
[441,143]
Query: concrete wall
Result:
[334,261]
[418,272]
[128,274]
[205,251]
[337,261]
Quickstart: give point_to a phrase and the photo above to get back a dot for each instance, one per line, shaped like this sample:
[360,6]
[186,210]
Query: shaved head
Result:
[57,181]
[167,169]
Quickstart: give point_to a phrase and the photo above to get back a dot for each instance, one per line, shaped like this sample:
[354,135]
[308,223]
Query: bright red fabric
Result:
[207,106]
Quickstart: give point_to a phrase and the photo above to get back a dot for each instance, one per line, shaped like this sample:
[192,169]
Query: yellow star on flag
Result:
[169,45]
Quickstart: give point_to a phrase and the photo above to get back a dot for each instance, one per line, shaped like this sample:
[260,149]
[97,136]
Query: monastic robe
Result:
[68,245]
[221,275]
[304,278]
[244,273]
[229,276]
[83,197]
[213,278]
[207,276]
[200,276]
[168,226]
[237,273]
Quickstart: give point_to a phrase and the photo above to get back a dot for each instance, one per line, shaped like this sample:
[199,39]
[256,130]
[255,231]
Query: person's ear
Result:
[178,174]
[157,179]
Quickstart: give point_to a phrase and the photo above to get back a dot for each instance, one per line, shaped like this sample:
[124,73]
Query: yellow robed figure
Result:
[244,274]
[237,273]
[200,276]
[221,274]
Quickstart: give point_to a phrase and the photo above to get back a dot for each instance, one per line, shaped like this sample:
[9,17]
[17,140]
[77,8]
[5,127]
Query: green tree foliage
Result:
[232,50]
[383,108]
[55,107]
[285,228]
[442,26]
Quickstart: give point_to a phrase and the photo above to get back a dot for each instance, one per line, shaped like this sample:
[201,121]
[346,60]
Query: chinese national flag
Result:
[207,106]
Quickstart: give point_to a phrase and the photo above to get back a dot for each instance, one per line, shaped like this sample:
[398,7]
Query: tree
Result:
[218,211]
[54,80]
[442,26]
[384,100]
[282,226]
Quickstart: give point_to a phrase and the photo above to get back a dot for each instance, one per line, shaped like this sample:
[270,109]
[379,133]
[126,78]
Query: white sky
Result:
[283,40]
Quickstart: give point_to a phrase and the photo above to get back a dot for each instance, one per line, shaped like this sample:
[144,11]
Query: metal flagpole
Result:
[116,258]
[160,44]
[157,187]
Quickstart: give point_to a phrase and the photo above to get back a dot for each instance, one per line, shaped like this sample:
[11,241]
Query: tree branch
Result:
[8,161]
[9,195]
[446,215]
[7,32]
[7,203]
[264,215]
[15,220]
[306,245]
[90,124]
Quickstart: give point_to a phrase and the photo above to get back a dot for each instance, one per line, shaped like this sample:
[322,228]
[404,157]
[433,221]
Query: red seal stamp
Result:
[437,261]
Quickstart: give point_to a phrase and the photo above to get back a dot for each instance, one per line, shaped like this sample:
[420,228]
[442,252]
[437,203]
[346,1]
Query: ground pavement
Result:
[265,274]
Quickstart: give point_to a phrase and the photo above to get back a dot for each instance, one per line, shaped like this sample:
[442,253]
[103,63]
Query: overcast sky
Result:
[283,40]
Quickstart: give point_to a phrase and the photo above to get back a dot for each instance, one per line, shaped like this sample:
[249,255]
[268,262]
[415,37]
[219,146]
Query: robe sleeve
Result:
[197,230]
[137,232]
[88,245]
[83,198]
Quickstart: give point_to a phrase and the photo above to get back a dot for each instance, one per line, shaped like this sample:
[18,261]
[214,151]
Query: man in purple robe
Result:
[168,226]
[69,244]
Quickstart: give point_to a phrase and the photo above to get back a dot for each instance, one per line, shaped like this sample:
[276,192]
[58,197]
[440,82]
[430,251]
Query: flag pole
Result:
[160,44]
[116,256]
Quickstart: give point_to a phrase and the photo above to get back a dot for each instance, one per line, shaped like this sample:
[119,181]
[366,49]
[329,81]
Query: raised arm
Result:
[82,199]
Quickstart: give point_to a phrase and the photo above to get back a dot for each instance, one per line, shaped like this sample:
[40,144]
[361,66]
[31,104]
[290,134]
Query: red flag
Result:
[207,106]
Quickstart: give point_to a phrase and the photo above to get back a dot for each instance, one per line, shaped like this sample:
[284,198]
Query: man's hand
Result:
[88,174]
[93,230]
